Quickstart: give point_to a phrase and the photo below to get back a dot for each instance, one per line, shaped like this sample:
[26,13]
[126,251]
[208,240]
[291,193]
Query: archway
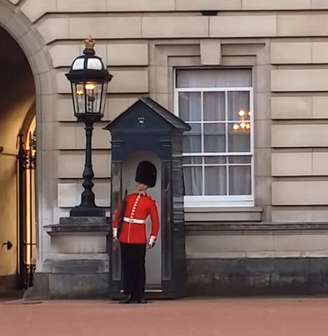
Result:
[17,112]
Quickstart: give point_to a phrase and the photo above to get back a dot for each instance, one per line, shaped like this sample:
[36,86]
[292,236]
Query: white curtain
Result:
[212,136]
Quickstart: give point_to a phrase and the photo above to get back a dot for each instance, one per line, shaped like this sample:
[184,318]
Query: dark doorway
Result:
[17,194]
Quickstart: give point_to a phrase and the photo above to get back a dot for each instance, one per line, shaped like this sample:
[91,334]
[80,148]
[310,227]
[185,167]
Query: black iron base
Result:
[79,211]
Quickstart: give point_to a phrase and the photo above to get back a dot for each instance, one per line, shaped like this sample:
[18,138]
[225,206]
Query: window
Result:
[218,151]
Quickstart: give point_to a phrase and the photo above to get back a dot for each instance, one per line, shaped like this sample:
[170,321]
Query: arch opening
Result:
[17,171]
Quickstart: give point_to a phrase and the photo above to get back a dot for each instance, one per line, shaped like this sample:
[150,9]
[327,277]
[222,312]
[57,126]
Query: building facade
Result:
[249,76]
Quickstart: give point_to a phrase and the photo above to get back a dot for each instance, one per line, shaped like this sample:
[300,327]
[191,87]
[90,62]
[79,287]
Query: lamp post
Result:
[89,80]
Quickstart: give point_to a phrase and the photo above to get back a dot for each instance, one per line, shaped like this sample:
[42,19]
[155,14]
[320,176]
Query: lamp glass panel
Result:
[103,99]
[94,64]
[78,96]
[93,96]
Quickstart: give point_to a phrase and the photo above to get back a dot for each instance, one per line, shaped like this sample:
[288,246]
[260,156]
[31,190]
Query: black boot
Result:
[127,300]
[141,300]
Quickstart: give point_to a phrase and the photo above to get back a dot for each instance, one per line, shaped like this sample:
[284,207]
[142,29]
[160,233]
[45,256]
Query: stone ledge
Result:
[80,266]
[79,225]
[268,227]
[223,214]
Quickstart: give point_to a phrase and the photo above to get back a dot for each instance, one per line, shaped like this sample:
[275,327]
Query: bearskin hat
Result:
[146,173]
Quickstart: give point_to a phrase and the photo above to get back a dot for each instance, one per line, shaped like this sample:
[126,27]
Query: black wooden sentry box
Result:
[147,127]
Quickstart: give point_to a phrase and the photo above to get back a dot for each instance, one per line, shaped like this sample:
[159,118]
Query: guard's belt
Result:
[134,220]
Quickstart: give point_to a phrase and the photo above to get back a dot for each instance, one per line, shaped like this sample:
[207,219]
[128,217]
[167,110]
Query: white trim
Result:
[215,89]
[226,200]
[218,201]
[219,154]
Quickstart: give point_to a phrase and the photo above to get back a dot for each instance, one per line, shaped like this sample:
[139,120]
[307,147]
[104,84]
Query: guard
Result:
[130,229]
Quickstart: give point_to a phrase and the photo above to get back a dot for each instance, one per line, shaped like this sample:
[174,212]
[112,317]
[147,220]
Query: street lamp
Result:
[89,80]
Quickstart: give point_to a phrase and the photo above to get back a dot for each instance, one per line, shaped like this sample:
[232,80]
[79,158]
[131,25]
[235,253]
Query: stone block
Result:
[69,194]
[297,214]
[300,193]
[78,285]
[319,4]
[263,162]
[79,243]
[314,242]
[262,105]
[31,44]
[299,80]
[48,108]
[243,26]
[72,136]
[67,136]
[53,28]
[262,79]
[320,52]
[310,24]
[127,54]
[64,108]
[41,62]
[49,136]
[207,5]
[100,138]
[263,190]
[292,164]
[47,83]
[40,288]
[209,246]
[203,215]
[62,83]
[320,163]
[299,107]
[276,4]
[159,79]
[262,134]
[210,52]
[105,27]
[34,9]
[174,26]
[291,52]
[70,164]
[303,135]
[63,55]
[320,107]
[129,81]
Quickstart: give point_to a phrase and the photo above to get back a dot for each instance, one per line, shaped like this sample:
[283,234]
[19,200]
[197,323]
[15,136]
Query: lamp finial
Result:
[89,44]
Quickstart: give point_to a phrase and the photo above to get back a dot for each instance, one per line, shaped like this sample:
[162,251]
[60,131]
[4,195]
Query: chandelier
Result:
[244,123]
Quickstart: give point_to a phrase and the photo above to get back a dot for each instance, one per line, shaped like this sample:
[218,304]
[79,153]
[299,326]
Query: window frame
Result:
[221,200]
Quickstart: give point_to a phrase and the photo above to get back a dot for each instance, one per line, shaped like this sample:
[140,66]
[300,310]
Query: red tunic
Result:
[138,207]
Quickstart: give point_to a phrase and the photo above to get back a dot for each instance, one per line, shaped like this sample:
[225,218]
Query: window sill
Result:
[223,214]
[218,202]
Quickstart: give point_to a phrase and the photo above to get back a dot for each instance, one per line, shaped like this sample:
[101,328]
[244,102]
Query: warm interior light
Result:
[236,127]
[241,113]
[242,125]
[248,126]
[79,92]
[90,86]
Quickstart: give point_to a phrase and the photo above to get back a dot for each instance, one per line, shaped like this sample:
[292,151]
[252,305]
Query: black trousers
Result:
[133,269]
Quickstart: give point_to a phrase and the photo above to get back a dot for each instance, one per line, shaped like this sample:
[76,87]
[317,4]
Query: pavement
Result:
[185,317]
